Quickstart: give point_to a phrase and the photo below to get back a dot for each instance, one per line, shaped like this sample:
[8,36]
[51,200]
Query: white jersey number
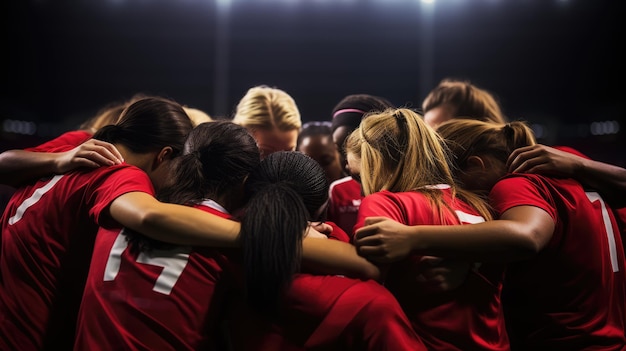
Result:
[173,262]
[610,234]
[33,199]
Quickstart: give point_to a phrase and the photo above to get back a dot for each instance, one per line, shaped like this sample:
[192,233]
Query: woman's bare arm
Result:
[520,233]
[20,166]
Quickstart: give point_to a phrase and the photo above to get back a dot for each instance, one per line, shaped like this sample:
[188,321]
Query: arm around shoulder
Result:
[176,224]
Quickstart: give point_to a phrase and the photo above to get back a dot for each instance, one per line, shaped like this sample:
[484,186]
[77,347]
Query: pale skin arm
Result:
[184,225]
[520,233]
[19,166]
[607,179]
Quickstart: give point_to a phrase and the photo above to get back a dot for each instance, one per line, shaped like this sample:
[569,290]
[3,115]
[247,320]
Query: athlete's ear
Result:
[475,163]
[166,154]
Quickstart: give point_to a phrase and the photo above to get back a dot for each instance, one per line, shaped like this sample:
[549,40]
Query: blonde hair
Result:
[267,108]
[400,153]
[109,114]
[467,101]
[197,116]
[466,138]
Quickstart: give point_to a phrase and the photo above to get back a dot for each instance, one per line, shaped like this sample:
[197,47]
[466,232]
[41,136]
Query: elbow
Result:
[368,271]
[531,244]
[145,221]
[371,271]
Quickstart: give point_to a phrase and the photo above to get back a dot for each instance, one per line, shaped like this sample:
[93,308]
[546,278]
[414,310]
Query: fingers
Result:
[374,254]
[517,161]
[112,150]
[324,228]
[99,153]
[515,155]
[370,227]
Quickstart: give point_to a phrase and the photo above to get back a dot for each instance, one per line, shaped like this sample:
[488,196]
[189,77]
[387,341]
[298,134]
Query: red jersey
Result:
[331,313]
[620,213]
[48,231]
[344,201]
[338,233]
[165,299]
[73,138]
[572,296]
[467,318]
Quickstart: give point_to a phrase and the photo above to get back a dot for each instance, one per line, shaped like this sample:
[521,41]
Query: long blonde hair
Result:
[400,153]
[267,108]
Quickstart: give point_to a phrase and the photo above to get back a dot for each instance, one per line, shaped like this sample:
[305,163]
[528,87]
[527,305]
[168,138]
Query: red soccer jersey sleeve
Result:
[173,298]
[48,231]
[468,318]
[67,140]
[572,295]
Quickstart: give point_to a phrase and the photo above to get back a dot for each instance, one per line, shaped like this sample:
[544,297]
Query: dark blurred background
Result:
[558,64]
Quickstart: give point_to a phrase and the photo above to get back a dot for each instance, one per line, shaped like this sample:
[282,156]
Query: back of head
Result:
[109,114]
[149,125]
[466,138]
[350,110]
[287,190]
[314,128]
[466,101]
[398,152]
[267,108]
[217,158]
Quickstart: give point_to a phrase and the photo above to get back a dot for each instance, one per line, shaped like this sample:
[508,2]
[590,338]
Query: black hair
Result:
[218,155]
[149,124]
[350,110]
[217,158]
[286,191]
[314,128]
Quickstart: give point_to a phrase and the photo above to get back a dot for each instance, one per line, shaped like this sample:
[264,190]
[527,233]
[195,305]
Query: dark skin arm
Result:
[184,225]
[519,234]
[607,179]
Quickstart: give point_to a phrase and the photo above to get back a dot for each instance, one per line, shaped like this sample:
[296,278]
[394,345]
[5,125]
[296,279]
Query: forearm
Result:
[176,224]
[608,180]
[328,256]
[19,166]
[496,241]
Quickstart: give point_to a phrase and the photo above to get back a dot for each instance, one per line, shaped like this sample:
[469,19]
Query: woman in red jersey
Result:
[143,294]
[406,175]
[49,227]
[566,286]
[345,192]
[289,309]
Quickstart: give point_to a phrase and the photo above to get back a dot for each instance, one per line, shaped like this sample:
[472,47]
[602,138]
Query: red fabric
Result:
[46,252]
[620,213]
[331,313]
[344,201]
[122,309]
[71,138]
[572,296]
[468,318]
[338,233]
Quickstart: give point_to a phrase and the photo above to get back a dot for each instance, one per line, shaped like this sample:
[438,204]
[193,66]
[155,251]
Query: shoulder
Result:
[64,142]
[340,183]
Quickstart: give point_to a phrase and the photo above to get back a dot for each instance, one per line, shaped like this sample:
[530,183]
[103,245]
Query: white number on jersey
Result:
[173,262]
[610,234]
[33,199]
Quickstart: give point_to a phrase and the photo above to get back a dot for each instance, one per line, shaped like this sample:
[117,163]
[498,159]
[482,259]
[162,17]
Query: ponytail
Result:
[272,227]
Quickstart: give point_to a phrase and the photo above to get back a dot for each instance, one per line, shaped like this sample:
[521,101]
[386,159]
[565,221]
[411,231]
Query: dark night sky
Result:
[555,62]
